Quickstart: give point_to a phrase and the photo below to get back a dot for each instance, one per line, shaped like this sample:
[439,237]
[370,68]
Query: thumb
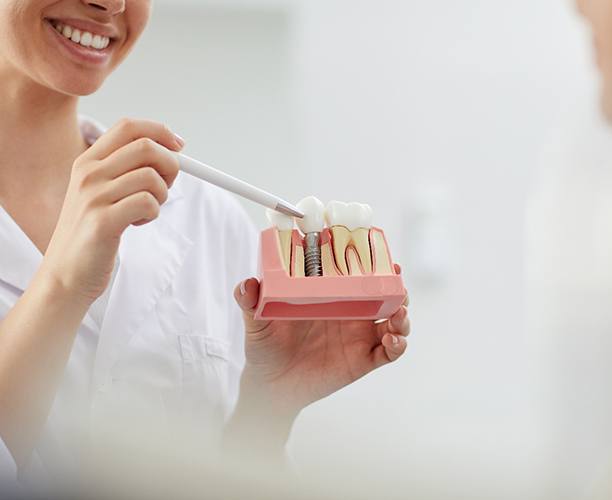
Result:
[246,295]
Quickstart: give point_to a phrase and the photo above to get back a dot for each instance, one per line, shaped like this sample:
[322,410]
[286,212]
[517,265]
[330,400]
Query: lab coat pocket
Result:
[206,366]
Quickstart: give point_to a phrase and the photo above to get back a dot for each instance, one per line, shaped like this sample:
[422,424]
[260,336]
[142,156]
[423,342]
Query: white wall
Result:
[432,112]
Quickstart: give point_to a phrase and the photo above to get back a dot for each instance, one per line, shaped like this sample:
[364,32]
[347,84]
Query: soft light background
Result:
[433,112]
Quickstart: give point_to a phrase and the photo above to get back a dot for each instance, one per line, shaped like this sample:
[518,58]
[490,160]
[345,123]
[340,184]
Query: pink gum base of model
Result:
[282,297]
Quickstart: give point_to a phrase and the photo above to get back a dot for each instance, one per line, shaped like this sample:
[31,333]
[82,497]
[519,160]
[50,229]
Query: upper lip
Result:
[91,26]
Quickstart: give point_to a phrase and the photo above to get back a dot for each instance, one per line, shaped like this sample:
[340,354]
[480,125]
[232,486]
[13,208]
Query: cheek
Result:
[24,52]
[11,22]
[136,19]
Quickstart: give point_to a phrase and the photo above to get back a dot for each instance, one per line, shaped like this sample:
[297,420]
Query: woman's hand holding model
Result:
[290,364]
[121,180]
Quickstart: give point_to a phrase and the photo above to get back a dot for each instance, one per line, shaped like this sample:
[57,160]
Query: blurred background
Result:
[435,113]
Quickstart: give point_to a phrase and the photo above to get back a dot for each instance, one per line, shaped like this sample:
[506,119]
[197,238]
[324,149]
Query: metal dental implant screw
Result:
[312,255]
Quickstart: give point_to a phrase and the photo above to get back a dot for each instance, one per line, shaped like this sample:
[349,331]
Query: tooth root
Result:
[361,241]
[297,262]
[382,257]
[341,237]
[328,261]
[352,260]
[284,241]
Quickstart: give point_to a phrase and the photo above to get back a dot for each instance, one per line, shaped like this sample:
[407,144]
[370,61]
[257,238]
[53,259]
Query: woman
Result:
[116,272]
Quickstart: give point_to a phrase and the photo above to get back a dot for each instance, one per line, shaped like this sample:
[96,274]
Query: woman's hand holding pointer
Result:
[121,180]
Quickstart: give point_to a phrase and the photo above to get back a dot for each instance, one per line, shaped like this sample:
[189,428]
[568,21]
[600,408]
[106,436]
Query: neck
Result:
[39,135]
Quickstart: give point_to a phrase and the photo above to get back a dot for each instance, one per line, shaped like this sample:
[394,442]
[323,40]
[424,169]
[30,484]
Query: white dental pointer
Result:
[237,186]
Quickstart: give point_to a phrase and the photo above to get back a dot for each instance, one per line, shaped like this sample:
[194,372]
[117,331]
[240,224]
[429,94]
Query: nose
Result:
[112,7]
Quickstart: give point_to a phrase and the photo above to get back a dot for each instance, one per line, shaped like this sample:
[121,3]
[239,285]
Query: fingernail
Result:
[243,288]
[179,140]
[395,339]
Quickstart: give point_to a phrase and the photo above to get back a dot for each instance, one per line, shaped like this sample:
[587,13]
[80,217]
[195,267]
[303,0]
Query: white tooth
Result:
[364,218]
[96,43]
[281,221]
[105,42]
[67,31]
[350,224]
[86,39]
[337,214]
[76,36]
[284,224]
[350,215]
[314,215]
[58,27]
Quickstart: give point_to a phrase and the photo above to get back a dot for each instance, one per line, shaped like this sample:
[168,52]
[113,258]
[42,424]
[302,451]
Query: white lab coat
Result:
[171,347]
[8,469]
[569,262]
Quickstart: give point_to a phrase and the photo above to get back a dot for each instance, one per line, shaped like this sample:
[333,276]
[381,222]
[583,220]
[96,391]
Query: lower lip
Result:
[78,52]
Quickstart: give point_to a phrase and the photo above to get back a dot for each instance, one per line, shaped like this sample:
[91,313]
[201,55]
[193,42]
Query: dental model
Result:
[343,271]
[312,226]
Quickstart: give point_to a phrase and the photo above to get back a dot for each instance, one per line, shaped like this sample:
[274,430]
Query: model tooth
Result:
[314,215]
[350,225]
[284,224]
[337,214]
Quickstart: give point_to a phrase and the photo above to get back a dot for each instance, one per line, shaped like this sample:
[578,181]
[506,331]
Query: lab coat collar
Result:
[151,253]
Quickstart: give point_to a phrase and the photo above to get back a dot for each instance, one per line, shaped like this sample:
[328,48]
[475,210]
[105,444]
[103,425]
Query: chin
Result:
[79,86]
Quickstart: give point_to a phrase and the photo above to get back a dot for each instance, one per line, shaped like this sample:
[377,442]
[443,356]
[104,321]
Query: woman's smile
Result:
[83,40]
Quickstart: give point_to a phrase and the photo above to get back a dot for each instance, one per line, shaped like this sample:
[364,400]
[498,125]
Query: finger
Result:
[398,324]
[246,295]
[141,179]
[389,350]
[127,131]
[137,208]
[395,346]
[141,153]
